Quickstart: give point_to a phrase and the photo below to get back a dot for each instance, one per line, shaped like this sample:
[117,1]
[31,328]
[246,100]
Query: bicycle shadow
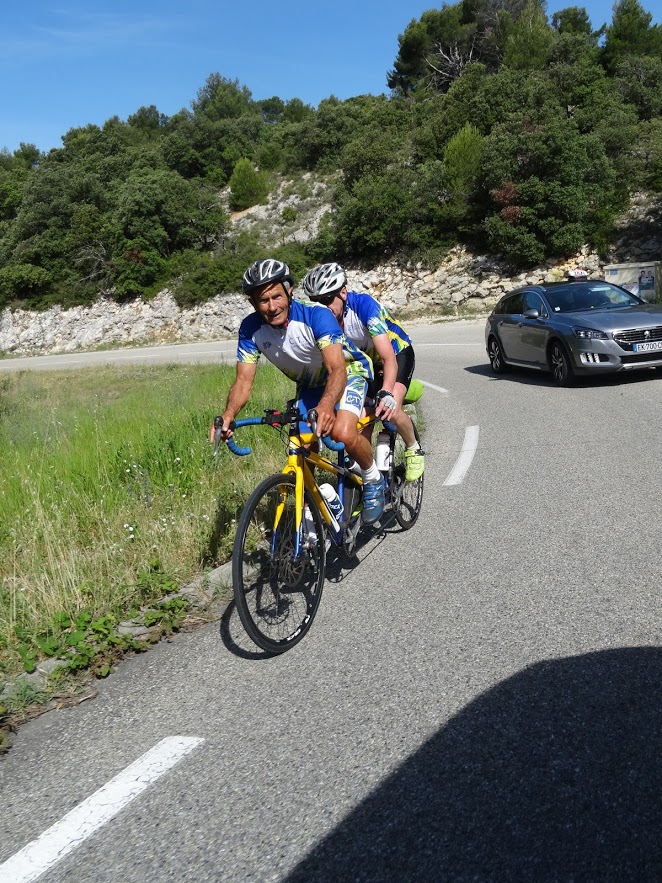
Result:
[553,774]
[236,640]
[340,565]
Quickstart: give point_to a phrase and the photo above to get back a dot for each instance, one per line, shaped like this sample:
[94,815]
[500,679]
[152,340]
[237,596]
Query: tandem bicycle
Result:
[290,519]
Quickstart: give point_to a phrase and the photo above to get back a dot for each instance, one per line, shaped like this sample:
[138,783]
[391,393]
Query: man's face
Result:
[272,303]
[337,305]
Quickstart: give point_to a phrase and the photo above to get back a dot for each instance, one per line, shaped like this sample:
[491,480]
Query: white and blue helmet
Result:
[323,280]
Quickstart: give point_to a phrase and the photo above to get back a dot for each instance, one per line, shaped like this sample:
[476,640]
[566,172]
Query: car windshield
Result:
[576,296]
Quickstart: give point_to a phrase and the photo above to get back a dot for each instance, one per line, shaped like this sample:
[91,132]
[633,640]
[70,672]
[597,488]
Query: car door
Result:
[533,333]
[508,326]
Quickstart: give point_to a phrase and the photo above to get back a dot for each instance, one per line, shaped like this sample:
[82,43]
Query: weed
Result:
[109,499]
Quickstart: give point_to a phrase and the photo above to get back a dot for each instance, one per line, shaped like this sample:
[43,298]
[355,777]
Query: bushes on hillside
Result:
[504,129]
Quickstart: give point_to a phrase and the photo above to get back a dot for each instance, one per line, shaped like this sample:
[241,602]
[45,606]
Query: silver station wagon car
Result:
[574,328]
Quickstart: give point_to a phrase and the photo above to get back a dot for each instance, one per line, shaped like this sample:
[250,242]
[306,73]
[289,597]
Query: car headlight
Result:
[590,334]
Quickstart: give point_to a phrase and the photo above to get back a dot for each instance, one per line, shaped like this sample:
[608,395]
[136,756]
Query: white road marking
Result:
[432,386]
[116,358]
[86,818]
[466,456]
[468,343]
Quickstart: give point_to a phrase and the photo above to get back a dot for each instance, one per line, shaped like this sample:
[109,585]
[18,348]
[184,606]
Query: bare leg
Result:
[358,446]
[402,420]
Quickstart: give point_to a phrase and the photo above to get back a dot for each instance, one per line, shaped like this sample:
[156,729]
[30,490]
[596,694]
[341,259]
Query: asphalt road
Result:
[479,699]
[186,353]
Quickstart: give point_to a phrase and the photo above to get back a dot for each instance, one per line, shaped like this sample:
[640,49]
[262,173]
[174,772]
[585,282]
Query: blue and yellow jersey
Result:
[365,318]
[296,348]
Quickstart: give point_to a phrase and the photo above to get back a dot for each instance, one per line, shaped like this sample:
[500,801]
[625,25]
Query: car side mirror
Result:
[531,314]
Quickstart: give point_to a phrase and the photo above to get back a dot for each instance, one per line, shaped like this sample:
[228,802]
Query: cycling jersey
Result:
[365,318]
[296,347]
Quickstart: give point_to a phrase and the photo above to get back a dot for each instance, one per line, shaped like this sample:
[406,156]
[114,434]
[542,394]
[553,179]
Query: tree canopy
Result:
[503,128]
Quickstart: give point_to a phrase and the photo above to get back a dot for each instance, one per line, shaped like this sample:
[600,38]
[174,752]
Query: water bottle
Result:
[383,451]
[333,500]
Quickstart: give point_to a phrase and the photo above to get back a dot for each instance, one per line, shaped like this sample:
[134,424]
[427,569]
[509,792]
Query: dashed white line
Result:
[86,818]
[432,386]
[465,457]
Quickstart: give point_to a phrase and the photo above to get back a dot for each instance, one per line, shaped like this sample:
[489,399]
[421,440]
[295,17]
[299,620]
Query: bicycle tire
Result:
[276,597]
[406,496]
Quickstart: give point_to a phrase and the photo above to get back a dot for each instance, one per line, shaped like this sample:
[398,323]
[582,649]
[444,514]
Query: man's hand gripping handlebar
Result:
[328,441]
[271,418]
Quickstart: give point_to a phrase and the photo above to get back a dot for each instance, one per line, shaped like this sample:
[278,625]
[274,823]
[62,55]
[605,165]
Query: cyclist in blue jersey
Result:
[373,330]
[307,344]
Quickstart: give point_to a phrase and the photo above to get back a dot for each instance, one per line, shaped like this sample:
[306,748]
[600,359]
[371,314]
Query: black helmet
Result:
[263,272]
[323,281]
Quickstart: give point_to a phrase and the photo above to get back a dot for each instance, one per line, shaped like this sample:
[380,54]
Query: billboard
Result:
[643,278]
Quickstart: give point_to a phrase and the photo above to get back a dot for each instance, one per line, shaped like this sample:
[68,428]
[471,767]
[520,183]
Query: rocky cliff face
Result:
[464,282]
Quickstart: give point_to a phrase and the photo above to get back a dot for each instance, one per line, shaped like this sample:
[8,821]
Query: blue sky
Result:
[68,63]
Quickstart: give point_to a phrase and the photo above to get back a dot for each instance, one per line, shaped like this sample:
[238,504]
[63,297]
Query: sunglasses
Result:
[327,299]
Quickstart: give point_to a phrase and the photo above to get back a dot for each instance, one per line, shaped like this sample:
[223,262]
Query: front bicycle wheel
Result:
[277,592]
[406,496]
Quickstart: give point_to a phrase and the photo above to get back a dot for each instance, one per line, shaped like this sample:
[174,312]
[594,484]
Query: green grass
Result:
[109,493]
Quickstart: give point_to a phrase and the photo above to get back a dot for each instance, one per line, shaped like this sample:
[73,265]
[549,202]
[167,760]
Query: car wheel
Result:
[495,355]
[560,366]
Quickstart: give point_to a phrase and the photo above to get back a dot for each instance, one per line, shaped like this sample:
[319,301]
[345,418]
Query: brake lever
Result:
[312,419]
[215,435]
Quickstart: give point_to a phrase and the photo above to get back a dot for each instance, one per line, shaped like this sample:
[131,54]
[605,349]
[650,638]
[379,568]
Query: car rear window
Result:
[512,303]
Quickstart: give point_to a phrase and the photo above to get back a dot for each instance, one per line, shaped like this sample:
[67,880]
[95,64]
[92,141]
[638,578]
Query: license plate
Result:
[650,346]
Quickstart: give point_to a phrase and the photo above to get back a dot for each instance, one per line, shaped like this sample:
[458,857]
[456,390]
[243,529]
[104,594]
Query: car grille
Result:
[625,339]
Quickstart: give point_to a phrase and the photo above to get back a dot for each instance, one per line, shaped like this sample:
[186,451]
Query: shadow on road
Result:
[235,638]
[555,774]
[532,377]
[339,566]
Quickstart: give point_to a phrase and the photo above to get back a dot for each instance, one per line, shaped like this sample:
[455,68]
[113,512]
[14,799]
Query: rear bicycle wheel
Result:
[277,593]
[406,496]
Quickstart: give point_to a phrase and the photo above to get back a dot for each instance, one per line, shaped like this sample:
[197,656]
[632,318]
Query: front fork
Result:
[303,479]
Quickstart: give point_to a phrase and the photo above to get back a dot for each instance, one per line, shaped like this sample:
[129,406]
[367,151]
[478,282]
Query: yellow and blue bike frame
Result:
[301,461]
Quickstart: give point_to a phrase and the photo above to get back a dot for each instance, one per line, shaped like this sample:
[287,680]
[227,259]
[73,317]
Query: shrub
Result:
[247,187]
[19,281]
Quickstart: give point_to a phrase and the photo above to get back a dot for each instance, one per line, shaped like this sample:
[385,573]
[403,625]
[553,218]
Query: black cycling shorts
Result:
[406,364]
